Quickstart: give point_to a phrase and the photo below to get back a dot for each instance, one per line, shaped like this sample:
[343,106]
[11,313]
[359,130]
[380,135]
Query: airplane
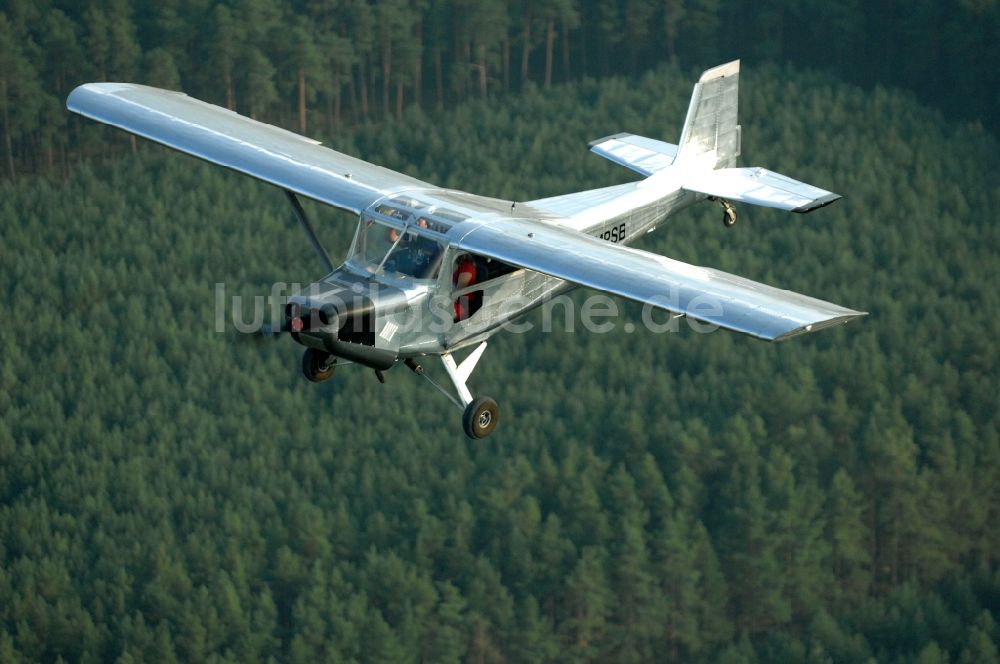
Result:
[432,271]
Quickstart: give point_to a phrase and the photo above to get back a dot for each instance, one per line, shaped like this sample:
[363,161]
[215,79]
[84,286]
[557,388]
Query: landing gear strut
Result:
[317,365]
[479,416]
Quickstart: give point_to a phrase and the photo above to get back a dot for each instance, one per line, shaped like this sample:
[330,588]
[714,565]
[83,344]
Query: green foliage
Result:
[169,494]
[317,65]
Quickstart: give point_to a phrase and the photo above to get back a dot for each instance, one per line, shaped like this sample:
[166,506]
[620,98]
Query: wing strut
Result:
[300,214]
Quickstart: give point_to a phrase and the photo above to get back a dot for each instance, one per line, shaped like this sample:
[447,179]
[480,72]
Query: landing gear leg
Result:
[479,417]
[728,213]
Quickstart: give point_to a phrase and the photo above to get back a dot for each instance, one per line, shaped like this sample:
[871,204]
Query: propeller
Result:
[265,333]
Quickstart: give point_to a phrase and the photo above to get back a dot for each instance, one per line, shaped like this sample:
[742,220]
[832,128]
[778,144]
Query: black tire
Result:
[729,218]
[480,418]
[317,365]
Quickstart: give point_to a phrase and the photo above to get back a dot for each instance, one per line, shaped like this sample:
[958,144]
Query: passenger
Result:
[466,275]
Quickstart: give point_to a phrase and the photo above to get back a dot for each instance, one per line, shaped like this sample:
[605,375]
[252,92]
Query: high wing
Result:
[218,135]
[702,293]
[759,186]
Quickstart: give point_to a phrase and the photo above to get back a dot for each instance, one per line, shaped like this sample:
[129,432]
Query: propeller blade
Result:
[265,333]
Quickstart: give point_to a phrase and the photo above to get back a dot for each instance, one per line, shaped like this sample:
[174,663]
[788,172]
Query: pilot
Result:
[426,252]
[399,260]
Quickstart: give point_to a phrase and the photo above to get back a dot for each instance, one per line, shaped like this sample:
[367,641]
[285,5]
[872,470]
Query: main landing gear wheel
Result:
[317,366]
[728,215]
[480,417]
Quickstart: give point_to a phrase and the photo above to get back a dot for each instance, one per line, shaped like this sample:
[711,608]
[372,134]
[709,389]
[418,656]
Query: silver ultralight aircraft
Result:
[432,271]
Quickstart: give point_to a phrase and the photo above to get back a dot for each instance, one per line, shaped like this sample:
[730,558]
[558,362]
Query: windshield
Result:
[406,250]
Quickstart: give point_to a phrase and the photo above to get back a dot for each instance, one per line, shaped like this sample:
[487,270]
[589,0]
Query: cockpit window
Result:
[403,207]
[393,212]
[407,250]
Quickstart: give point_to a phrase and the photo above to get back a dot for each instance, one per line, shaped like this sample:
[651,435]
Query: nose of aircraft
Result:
[342,314]
[306,315]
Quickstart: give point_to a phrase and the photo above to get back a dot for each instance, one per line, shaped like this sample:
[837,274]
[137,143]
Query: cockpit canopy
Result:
[403,237]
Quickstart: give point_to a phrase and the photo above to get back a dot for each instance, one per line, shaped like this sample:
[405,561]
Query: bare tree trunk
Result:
[604,48]
[418,66]
[505,49]
[6,130]
[302,100]
[372,78]
[230,97]
[438,79]
[399,99]
[352,93]
[525,47]
[565,50]
[363,81]
[550,38]
[466,63]
[36,153]
[482,70]
[336,104]
[386,71]
[131,142]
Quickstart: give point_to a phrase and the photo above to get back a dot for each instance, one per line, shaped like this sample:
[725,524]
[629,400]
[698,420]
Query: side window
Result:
[471,270]
[466,273]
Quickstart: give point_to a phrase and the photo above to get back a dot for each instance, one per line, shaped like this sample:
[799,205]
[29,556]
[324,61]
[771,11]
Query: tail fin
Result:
[711,134]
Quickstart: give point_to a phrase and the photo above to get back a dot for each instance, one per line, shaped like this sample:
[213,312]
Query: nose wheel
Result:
[318,366]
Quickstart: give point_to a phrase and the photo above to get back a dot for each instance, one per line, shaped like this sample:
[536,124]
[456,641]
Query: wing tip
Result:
[816,204]
[80,93]
[820,325]
[597,141]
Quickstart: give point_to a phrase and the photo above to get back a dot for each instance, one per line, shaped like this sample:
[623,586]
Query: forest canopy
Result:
[316,65]
[168,493]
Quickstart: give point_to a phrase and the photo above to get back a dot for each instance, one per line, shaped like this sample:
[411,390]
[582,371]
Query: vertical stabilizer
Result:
[711,135]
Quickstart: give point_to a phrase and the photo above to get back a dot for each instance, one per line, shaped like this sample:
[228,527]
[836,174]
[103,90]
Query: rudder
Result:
[711,133]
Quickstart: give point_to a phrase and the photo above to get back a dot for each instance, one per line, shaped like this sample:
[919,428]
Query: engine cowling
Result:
[342,317]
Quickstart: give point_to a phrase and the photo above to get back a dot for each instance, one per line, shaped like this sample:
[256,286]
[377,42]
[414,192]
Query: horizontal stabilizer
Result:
[759,186]
[643,155]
